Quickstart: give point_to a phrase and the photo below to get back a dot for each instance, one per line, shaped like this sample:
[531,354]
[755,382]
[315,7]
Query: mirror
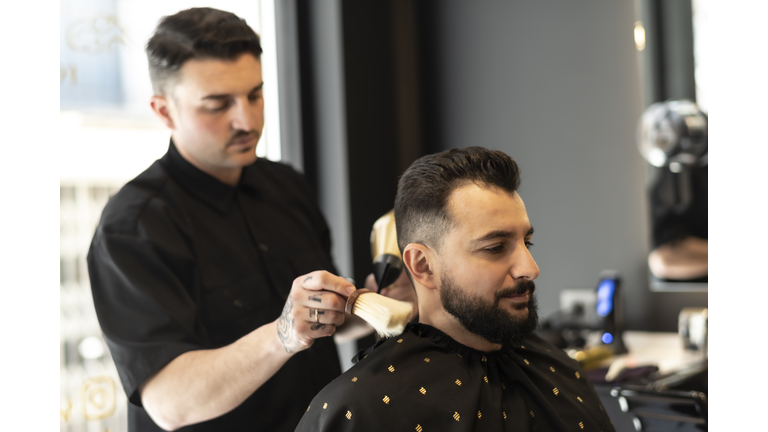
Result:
[672,137]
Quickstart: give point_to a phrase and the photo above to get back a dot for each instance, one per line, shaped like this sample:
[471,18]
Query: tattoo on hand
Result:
[308,278]
[317,326]
[285,327]
[316,298]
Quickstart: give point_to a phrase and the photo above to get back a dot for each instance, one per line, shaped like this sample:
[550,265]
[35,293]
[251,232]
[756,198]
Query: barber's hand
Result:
[314,308]
[401,290]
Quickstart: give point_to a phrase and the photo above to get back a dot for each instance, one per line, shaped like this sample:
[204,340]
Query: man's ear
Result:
[420,261]
[160,106]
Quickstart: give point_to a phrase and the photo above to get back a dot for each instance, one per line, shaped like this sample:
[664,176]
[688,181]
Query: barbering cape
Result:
[425,381]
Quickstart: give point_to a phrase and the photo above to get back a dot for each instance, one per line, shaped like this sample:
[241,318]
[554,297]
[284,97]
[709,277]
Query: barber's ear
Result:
[421,263]
[160,106]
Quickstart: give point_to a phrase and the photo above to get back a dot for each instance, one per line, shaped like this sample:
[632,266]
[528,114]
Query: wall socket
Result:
[569,298]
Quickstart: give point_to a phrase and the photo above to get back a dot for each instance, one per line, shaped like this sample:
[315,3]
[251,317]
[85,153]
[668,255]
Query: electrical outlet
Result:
[571,298]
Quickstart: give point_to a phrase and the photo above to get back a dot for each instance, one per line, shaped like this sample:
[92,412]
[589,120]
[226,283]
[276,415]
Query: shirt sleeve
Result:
[142,283]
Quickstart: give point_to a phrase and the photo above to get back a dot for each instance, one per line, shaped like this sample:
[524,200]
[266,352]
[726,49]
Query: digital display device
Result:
[610,309]
[605,292]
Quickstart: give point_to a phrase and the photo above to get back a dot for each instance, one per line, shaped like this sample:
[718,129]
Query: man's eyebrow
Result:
[499,234]
[227,96]
[494,235]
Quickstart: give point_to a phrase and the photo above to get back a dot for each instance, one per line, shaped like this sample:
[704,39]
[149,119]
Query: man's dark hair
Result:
[196,33]
[421,205]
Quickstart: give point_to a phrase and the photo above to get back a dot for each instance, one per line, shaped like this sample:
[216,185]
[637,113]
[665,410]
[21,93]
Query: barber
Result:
[211,271]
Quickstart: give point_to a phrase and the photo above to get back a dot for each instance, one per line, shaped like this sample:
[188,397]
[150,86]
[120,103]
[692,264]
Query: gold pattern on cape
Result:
[555,391]
[399,341]
[551,368]
[479,414]
[522,346]
[577,397]
[532,414]
[456,416]
[325,405]
[310,406]
[418,428]
[426,359]
[503,387]
[526,361]
[458,383]
[484,359]
[386,399]
[422,390]
[391,368]
[485,378]
[504,413]
[354,379]
[349,415]
[578,375]
[581,425]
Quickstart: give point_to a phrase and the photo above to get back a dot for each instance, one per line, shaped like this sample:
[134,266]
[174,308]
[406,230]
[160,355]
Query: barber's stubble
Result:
[487,319]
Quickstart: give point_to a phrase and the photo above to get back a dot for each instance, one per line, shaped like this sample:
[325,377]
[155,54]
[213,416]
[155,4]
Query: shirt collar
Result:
[252,177]
[210,190]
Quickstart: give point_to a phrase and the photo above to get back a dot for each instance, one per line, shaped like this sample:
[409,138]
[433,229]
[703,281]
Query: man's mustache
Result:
[519,289]
[242,134]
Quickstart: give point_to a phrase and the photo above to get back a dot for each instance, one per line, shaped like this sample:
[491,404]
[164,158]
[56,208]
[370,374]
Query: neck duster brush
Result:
[387,316]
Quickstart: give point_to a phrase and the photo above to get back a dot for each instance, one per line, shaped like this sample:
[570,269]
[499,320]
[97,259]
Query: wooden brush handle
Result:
[353,298]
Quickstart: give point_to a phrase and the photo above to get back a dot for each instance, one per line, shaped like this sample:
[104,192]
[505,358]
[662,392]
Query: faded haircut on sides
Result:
[196,33]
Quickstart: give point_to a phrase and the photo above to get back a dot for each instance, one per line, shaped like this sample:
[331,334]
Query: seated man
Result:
[472,361]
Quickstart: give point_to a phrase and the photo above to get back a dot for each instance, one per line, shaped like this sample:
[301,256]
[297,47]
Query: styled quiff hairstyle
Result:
[196,33]
[421,205]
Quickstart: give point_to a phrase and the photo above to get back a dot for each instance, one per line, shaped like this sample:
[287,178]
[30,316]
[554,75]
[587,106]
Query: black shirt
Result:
[181,262]
[423,380]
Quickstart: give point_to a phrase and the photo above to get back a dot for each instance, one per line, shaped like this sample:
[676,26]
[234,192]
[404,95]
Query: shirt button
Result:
[263,247]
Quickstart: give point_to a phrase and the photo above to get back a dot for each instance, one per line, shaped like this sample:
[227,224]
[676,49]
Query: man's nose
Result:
[246,116]
[523,265]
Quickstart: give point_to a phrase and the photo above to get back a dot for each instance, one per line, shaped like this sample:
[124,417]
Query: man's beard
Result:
[488,320]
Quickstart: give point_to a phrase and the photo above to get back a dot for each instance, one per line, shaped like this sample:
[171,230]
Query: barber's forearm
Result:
[202,385]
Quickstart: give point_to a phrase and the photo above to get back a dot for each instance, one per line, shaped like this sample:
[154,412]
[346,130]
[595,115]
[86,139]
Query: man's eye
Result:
[254,97]
[495,249]
[528,244]
[217,107]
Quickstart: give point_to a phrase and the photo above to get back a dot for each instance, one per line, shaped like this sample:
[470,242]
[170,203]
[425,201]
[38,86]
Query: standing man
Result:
[206,268]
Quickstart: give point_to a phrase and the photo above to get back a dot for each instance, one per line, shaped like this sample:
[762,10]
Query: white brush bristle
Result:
[387,316]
